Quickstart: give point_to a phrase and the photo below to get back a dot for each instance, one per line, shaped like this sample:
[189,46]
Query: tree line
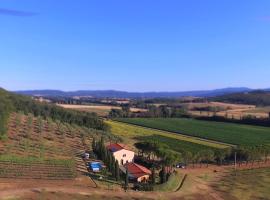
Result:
[152,112]
[154,150]
[5,108]
[106,156]
[259,98]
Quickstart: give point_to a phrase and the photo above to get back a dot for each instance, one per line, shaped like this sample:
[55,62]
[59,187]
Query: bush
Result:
[143,187]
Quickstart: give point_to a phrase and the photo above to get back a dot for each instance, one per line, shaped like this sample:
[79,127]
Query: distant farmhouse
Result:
[121,154]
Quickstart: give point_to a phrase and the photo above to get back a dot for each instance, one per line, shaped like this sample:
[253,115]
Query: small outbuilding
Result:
[136,172]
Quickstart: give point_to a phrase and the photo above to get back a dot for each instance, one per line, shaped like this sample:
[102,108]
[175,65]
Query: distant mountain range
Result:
[122,94]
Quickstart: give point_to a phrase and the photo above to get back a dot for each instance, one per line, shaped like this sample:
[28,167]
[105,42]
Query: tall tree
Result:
[163,175]
[117,173]
[94,144]
[126,180]
[153,176]
[187,156]
[220,155]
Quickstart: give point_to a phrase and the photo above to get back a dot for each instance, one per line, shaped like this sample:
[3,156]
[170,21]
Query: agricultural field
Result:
[225,106]
[101,110]
[246,184]
[37,148]
[259,111]
[228,110]
[231,133]
[131,134]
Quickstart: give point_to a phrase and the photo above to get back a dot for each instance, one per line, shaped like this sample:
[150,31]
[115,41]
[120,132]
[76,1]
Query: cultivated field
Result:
[37,148]
[228,110]
[131,134]
[227,106]
[224,132]
[25,139]
[101,110]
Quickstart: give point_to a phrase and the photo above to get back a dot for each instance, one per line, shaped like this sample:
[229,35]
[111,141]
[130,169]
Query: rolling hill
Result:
[11,102]
[123,94]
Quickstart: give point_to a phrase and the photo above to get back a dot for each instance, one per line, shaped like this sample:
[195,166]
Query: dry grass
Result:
[101,110]
[227,106]
[236,111]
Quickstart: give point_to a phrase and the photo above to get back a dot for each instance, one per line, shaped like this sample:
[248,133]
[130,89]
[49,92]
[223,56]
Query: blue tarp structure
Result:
[95,166]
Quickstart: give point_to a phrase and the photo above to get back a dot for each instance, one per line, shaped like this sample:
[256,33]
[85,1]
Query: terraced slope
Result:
[36,170]
[37,148]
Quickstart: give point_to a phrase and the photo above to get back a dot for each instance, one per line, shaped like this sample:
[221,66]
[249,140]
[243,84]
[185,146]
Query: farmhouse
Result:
[136,172]
[121,154]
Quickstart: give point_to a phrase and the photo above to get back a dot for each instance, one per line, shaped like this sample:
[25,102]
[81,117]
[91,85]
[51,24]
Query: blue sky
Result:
[134,45]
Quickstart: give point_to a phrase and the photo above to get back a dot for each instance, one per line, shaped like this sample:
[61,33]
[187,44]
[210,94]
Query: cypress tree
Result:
[106,157]
[117,174]
[110,162]
[126,180]
[153,177]
[113,167]
[102,141]
[94,144]
[103,149]
[163,175]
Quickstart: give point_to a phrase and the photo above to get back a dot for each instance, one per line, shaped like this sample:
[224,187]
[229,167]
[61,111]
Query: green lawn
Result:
[224,132]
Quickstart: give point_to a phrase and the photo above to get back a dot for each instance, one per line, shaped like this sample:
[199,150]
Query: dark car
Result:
[181,165]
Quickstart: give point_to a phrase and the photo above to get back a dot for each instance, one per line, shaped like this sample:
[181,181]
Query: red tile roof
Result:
[115,147]
[137,170]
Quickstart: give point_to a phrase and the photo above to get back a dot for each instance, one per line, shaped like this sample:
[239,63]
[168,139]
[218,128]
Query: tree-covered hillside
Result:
[10,102]
[259,98]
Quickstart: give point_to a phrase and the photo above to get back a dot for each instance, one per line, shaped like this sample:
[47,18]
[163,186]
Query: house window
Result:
[124,155]
[122,162]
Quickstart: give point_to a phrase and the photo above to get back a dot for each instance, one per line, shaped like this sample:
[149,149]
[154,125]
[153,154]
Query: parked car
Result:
[86,156]
[181,165]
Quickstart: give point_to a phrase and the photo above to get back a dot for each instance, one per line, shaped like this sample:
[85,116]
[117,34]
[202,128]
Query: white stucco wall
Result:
[123,156]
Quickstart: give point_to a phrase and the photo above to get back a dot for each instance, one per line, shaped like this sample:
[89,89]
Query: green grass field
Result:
[224,132]
[176,145]
[131,134]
